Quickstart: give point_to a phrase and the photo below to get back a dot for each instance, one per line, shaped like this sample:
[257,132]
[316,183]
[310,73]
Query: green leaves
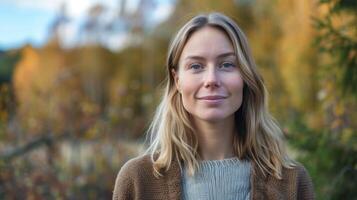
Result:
[337,37]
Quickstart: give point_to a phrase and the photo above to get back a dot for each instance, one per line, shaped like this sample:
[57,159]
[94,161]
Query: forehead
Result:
[207,42]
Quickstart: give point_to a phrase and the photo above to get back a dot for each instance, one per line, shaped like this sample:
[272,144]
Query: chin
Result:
[213,117]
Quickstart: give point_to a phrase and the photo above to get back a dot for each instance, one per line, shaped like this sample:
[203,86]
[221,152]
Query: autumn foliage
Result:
[70,117]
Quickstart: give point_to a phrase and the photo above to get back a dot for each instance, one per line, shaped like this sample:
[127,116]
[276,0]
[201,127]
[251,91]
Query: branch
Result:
[44,140]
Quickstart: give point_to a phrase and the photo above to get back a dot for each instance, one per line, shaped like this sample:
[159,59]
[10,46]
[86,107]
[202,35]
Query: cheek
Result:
[239,87]
[188,84]
[236,89]
[187,89]
[235,83]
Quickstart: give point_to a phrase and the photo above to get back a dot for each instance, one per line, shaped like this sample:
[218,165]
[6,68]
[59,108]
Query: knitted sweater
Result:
[226,179]
[136,180]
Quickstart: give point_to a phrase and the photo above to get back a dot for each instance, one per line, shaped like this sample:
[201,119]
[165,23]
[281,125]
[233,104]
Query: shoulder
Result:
[136,165]
[298,171]
[131,175]
[302,181]
[305,186]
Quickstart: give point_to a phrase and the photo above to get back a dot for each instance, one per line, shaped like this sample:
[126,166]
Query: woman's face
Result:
[208,76]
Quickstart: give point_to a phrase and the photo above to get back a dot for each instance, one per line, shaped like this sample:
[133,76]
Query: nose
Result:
[212,79]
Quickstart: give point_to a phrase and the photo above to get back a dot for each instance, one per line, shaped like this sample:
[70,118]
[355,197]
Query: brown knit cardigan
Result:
[137,181]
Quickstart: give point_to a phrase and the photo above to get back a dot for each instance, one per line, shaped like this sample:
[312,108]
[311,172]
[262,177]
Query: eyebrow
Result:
[223,55]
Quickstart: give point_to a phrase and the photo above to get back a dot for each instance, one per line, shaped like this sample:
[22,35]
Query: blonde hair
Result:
[258,138]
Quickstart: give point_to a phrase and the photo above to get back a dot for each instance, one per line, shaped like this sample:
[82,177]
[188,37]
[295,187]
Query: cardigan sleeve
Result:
[124,184]
[305,186]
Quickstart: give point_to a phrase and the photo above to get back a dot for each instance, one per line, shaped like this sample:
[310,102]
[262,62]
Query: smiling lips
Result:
[212,97]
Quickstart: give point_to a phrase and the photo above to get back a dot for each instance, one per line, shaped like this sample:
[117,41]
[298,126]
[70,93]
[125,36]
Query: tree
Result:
[329,151]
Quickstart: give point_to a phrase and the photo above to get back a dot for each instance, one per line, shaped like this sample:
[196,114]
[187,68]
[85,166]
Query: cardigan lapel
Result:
[257,183]
[174,181]
[268,187]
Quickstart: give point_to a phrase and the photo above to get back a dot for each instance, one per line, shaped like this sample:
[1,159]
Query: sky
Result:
[27,21]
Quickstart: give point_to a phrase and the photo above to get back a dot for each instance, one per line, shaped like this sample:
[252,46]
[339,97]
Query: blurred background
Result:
[80,80]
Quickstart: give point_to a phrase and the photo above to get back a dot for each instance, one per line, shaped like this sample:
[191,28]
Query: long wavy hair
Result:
[258,138]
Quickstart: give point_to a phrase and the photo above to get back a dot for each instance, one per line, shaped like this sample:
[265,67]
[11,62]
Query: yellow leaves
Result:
[294,52]
[336,123]
[347,135]
[3,115]
[25,70]
[93,132]
[314,120]
[339,110]
[89,108]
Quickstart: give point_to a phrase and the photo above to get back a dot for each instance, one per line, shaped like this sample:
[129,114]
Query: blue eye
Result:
[227,65]
[195,66]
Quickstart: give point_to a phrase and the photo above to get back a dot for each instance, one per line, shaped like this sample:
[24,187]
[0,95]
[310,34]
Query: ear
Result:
[176,78]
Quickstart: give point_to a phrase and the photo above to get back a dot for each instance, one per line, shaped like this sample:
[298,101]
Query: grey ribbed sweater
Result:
[218,179]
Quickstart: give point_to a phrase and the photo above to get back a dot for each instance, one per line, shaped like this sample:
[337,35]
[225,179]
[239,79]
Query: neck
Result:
[215,139]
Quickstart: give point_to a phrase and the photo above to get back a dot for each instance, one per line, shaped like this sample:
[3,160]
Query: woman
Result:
[212,136]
